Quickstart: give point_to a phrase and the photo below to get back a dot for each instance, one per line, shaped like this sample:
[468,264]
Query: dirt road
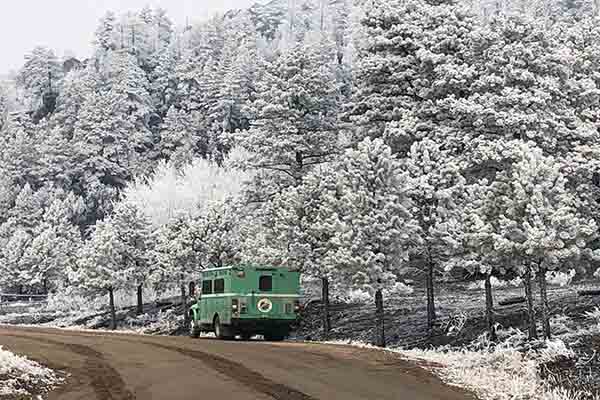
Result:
[127,367]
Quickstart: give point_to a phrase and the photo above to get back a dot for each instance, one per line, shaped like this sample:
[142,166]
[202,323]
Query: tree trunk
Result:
[113,314]
[544,302]
[430,297]
[140,299]
[184,304]
[325,301]
[380,316]
[489,308]
[530,309]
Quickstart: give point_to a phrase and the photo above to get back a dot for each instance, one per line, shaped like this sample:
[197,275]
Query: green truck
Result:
[246,300]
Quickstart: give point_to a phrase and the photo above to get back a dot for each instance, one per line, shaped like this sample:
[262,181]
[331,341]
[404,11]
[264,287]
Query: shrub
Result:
[358,296]
[561,279]
[399,289]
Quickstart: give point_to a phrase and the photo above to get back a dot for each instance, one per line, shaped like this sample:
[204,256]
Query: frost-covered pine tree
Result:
[103,140]
[536,222]
[123,77]
[436,191]
[28,209]
[163,80]
[178,142]
[134,230]
[177,254]
[52,254]
[112,140]
[378,231]
[41,74]
[3,106]
[239,87]
[413,54]
[294,118]
[106,34]
[216,228]
[580,158]
[100,266]
[164,29]
[14,243]
[304,227]
[77,87]
[19,156]
[145,37]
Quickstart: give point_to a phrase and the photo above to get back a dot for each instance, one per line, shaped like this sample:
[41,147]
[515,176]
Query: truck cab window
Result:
[265,283]
[219,286]
[206,287]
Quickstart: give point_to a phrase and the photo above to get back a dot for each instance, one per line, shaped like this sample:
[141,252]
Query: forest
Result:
[370,144]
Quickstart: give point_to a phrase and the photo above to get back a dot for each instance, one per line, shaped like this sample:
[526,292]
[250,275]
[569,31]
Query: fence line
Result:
[29,298]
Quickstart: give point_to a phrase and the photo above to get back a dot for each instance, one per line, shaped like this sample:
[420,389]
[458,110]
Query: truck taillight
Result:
[235,304]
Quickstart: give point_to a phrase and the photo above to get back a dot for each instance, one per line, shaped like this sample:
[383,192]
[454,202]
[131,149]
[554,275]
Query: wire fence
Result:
[28,298]
[10,302]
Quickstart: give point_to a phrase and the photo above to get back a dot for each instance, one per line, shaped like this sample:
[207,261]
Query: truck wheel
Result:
[221,332]
[194,328]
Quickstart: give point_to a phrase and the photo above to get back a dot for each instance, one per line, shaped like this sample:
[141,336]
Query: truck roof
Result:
[258,267]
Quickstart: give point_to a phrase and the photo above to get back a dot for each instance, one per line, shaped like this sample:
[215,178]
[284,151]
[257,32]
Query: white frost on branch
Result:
[170,193]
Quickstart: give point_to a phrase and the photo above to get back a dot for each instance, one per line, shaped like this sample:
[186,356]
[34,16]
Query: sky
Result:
[69,25]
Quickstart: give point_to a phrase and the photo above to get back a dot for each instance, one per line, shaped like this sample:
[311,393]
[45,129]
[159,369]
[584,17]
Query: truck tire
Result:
[194,328]
[221,332]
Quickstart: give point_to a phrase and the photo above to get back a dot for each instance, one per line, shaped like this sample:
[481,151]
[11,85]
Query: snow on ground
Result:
[20,376]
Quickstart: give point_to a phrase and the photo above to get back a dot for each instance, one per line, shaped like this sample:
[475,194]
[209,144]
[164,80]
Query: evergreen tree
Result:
[135,234]
[437,194]
[304,228]
[294,118]
[415,55]
[379,231]
[78,86]
[13,245]
[164,29]
[106,35]
[217,230]
[53,252]
[178,143]
[100,264]
[19,157]
[535,222]
[3,107]
[177,255]
[163,81]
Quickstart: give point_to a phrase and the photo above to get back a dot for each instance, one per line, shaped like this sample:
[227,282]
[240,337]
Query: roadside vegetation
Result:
[21,378]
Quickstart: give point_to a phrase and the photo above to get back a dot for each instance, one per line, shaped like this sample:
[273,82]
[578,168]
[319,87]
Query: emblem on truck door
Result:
[264,305]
